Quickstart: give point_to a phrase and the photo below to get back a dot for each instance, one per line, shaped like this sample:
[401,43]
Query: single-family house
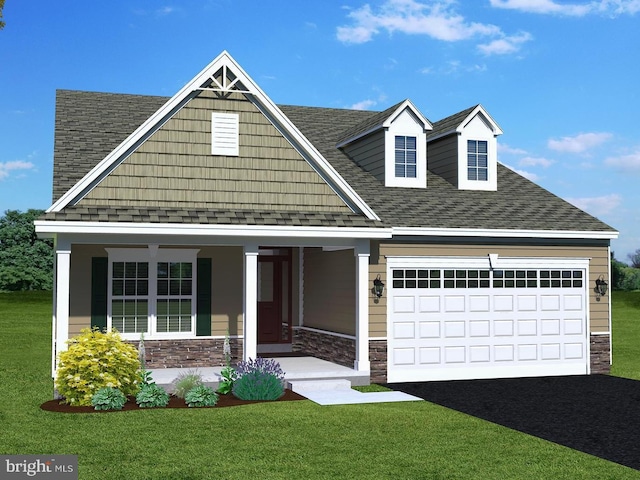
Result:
[381,241]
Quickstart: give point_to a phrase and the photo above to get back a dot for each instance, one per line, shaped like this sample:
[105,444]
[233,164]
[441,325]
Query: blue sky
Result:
[561,78]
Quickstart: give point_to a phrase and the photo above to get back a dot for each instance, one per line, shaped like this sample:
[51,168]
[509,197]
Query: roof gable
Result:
[457,122]
[225,77]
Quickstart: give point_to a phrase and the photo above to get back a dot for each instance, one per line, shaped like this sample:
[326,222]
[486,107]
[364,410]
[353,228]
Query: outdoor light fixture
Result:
[601,287]
[378,286]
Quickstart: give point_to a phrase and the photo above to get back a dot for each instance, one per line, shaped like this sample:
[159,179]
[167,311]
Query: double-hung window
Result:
[477,160]
[405,156]
[152,292]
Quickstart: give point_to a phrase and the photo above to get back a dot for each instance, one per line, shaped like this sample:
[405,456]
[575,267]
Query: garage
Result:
[467,318]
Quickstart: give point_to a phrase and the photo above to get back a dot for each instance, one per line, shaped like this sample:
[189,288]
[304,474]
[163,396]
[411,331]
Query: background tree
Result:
[635,258]
[26,262]
[617,273]
[1,7]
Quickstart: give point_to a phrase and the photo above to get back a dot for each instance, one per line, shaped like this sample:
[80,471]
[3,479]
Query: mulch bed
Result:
[595,414]
[174,402]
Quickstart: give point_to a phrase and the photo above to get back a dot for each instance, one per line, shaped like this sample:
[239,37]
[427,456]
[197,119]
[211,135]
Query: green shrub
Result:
[185,382]
[201,396]
[95,360]
[152,395]
[108,398]
[228,376]
[259,379]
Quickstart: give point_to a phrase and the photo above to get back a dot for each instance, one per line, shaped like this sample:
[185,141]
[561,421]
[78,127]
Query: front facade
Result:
[217,213]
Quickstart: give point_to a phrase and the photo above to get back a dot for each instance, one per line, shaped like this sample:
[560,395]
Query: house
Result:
[380,241]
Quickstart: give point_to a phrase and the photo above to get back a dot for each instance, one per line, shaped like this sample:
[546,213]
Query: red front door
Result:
[269,299]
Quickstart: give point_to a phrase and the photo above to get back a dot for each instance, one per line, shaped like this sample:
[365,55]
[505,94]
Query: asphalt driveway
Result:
[596,414]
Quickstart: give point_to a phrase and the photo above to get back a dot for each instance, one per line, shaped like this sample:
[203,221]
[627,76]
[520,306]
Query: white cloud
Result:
[529,175]
[535,162]
[552,7]
[626,163]
[453,67]
[579,143]
[363,105]
[508,150]
[7,167]
[597,206]
[436,19]
[505,45]
[165,10]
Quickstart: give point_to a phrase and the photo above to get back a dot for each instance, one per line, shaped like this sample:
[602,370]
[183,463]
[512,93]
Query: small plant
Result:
[228,376]
[259,379]
[95,360]
[108,398]
[152,395]
[145,378]
[185,382]
[201,396]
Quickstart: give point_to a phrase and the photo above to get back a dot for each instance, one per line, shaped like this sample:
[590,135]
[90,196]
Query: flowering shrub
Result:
[95,360]
[259,379]
[152,395]
[201,396]
[108,398]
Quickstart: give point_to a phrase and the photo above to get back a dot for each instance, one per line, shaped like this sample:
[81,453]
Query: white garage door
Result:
[460,319]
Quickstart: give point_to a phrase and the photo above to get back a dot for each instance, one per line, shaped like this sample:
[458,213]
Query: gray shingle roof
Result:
[372,120]
[208,217]
[449,123]
[89,125]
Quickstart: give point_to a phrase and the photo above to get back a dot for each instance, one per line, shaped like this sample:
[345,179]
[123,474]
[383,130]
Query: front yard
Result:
[281,440]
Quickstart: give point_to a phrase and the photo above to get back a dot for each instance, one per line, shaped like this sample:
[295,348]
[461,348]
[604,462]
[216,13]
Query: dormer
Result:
[463,149]
[391,145]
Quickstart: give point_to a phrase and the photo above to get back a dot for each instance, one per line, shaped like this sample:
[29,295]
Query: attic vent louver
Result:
[224,134]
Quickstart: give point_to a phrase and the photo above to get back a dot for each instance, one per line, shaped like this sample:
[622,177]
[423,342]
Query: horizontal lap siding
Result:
[599,311]
[442,155]
[174,168]
[368,152]
[329,290]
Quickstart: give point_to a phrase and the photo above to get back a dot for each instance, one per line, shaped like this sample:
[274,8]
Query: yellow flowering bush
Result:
[95,360]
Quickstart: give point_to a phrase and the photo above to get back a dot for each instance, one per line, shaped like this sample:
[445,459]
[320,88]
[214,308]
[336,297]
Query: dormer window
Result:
[406,157]
[477,160]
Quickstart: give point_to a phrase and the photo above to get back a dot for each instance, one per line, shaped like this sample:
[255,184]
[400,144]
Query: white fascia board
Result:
[426,124]
[480,109]
[221,60]
[503,233]
[44,228]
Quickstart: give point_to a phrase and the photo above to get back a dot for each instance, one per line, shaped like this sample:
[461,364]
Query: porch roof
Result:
[210,217]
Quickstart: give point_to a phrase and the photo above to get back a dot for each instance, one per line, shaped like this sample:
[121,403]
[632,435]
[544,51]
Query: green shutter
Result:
[203,303]
[99,278]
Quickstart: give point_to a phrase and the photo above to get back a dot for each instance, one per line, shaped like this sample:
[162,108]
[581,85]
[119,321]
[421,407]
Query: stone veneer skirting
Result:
[325,346]
[600,354]
[189,353]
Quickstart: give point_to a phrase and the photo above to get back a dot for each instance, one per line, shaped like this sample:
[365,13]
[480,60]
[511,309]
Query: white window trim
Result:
[153,255]
[405,125]
[473,132]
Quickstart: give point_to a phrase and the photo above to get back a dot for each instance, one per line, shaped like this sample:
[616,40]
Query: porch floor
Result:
[294,368]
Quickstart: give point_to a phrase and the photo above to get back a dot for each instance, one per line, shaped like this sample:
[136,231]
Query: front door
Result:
[274,308]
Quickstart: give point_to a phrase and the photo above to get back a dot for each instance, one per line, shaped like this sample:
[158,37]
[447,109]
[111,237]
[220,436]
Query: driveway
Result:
[596,414]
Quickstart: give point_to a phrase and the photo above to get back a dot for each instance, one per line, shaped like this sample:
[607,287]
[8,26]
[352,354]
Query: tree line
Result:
[26,261]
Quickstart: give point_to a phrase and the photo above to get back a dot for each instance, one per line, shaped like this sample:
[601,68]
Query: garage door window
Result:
[477,278]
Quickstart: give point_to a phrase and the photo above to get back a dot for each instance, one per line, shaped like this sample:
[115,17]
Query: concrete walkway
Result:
[322,382]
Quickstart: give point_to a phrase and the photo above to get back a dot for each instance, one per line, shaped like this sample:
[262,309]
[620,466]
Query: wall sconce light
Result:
[378,287]
[601,287]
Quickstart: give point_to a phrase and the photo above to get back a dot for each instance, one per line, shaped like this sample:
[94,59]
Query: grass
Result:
[626,334]
[412,440]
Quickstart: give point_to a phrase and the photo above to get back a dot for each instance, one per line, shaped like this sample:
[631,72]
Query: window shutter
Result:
[99,279]
[203,302]
[224,134]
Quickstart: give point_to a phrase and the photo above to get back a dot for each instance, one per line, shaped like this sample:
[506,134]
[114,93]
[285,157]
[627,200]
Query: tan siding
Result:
[329,290]
[442,158]
[368,152]
[174,168]
[599,311]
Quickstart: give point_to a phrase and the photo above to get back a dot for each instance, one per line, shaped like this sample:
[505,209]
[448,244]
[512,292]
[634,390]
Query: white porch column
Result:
[61,298]
[250,325]
[362,308]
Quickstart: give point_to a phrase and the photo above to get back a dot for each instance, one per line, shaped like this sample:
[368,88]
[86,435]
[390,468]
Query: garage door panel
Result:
[527,323]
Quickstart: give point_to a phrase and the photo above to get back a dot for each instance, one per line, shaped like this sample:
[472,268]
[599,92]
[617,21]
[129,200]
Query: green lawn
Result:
[287,440]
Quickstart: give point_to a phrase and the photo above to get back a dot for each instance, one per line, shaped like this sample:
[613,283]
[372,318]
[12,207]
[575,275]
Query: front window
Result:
[406,156]
[477,160]
[155,296]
